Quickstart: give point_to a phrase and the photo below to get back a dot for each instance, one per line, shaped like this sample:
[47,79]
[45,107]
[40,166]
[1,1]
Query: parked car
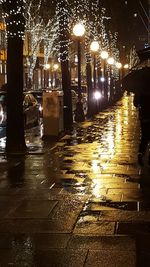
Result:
[30,107]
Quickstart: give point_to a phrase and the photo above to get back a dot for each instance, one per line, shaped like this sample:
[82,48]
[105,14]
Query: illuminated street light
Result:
[125,69]
[94,48]
[104,55]
[55,67]
[119,67]
[47,66]
[79,31]
[110,61]
[126,66]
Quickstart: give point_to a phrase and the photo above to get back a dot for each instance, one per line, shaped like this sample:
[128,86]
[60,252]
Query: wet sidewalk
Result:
[83,201]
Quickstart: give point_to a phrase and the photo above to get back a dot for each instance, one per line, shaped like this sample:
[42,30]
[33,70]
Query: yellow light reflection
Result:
[95,166]
[96,187]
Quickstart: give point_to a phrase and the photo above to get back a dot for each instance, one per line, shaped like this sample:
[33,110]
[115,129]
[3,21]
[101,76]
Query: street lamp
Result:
[126,66]
[104,56]
[94,48]
[110,62]
[55,67]
[125,69]
[78,31]
[119,66]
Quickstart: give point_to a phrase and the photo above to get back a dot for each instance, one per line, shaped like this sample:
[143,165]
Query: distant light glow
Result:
[104,55]
[102,79]
[47,66]
[126,66]
[110,60]
[97,95]
[94,46]
[118,65]
[56,66]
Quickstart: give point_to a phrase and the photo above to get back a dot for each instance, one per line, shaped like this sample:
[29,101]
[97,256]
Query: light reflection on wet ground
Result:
[105,146]
[87,185]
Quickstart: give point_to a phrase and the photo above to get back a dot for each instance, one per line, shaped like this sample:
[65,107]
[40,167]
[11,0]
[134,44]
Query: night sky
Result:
[129,20]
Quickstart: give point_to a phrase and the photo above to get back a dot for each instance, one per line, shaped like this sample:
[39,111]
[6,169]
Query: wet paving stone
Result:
[94,228]
[125,216]
[108,258]
[48,241]
[117,243]
[60,258]
[33,209]
[22,226]
[133,228]
[81,202]
[98,206]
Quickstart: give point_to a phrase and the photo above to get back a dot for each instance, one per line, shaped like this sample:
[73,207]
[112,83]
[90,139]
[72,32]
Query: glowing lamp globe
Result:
[118,65]
[110,60]
[104,55]
[78,30]
[126,66]
[94,46]
[56,66]
[46,66]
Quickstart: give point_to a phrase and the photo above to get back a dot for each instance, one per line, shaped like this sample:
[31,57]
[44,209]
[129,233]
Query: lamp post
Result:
[125,69]
[78,31]
[111,61]
[94,48]
[119,66]
[55,67]
[119,84]
[104,56]
[46,75]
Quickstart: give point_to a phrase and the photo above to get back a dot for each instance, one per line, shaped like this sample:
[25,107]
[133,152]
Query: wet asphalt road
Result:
[82,201]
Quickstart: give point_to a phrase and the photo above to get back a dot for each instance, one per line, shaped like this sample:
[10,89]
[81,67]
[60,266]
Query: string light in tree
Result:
[13,14]
[62,13]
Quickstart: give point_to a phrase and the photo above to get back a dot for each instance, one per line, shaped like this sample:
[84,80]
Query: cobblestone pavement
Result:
[82,201]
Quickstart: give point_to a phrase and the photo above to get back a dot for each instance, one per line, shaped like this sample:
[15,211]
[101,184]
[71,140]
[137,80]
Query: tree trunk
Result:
[64,51]
[66,86]
[15,140]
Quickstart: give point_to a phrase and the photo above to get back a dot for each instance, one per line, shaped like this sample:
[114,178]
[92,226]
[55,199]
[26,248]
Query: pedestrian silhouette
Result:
[142,102]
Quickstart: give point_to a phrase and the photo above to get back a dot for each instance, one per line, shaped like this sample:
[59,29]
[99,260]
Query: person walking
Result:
[142,102]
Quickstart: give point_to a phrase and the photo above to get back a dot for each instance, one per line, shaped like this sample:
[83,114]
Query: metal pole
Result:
[94,72]
[79,114]
[79,70]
